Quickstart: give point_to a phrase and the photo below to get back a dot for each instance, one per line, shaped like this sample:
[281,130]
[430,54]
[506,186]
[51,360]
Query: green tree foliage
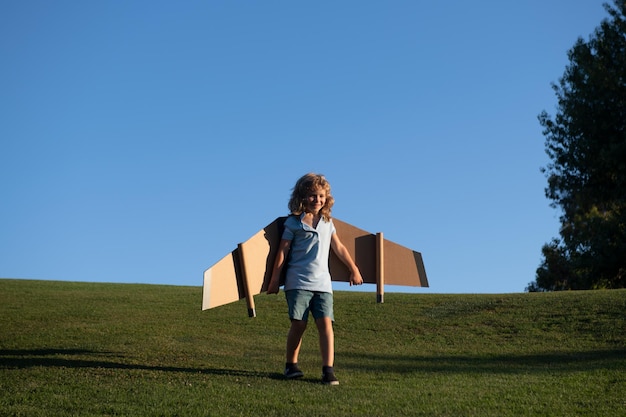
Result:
[586,142]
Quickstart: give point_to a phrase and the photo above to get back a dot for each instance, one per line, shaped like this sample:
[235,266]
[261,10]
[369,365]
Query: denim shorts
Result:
[301,302]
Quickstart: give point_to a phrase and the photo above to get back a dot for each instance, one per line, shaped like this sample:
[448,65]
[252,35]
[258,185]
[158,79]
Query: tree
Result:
[586,142]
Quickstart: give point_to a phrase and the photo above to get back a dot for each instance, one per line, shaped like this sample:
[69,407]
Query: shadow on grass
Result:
[29,358]
[388,363]
[505,363]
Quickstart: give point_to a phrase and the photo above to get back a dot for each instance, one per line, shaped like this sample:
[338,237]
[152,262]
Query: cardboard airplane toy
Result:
[246,271]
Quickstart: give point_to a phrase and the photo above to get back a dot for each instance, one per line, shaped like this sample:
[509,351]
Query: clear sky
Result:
[140,141]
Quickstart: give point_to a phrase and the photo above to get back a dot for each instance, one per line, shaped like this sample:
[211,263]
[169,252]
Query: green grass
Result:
[88,349]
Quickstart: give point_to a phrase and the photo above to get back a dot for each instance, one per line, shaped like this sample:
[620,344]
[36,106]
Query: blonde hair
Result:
[306,184]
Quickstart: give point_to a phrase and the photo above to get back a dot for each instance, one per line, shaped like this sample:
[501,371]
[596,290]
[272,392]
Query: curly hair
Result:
[305,185]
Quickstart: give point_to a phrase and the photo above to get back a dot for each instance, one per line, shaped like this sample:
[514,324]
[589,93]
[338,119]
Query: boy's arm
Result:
[343,254]
[279,263]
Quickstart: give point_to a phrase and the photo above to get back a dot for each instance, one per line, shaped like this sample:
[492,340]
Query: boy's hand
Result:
[356,278]
[273,287]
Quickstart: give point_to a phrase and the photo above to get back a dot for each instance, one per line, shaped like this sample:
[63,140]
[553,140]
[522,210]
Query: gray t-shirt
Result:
[307,267]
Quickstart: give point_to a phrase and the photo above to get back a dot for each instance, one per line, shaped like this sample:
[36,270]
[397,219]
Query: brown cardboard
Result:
[246,271]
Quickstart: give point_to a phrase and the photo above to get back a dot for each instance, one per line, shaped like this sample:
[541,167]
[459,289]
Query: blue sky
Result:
[140,141]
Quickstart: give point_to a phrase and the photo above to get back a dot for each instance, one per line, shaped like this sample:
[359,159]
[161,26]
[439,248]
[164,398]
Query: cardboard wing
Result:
[246,271]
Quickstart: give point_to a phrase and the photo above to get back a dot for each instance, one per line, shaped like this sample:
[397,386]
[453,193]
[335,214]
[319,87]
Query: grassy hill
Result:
[83,349]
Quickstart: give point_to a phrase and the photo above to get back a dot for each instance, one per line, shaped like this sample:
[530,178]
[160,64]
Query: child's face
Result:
[315,200]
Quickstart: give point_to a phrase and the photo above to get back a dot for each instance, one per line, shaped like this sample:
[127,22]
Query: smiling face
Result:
[311,194]
[315,200]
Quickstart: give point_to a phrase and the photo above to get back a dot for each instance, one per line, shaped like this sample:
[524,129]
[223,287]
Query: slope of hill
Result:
[92,349]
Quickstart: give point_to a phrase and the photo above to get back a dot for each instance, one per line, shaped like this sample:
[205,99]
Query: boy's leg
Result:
[322,308]
[298,303]
[327,340]
[294,340]
[327,347]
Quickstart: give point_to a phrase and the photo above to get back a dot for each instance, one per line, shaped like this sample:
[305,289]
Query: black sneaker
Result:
[329,378]
[292,372]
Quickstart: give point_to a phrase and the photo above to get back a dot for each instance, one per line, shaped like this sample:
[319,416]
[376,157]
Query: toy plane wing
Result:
[246,271]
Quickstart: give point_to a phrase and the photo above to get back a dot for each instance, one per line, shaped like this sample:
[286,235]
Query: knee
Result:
[298,325]
[324,323]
